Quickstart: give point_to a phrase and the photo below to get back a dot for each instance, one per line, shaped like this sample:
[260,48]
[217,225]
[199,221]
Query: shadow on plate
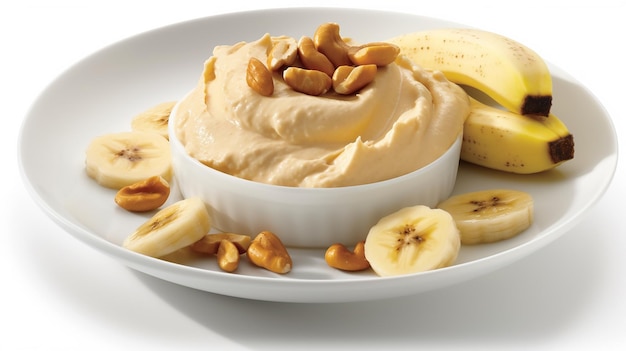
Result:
[527,301]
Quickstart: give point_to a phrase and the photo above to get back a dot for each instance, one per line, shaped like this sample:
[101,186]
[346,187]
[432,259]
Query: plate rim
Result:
[159,267]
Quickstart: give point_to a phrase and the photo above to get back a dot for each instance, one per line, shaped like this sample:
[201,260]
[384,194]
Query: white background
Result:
[59,294]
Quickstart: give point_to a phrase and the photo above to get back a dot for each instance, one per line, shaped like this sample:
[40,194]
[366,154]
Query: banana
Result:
[509,72]
[510,142]
[413,239]
[154,119]
[490,215]
[120,159]
[175,227]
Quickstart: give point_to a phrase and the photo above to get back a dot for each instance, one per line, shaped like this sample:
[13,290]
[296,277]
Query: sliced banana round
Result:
[120,159]
[172,228]
[411,240]
[154,119]
[490,215]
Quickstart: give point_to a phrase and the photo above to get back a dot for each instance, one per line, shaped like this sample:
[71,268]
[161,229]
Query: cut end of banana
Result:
[489,216]
[120,159]
[413,239]
[172,228]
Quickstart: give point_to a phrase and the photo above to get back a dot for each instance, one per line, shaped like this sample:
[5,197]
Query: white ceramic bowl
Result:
[308,217]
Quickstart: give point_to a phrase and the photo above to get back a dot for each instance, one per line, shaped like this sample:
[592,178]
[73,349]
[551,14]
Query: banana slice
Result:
[173,228]
[120,159]
[413,239]
[154,119]
[490,215]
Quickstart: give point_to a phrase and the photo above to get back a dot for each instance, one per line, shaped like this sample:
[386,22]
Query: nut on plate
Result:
[143,196]
[267,251]
[209,244]
[227,256]
[340,257]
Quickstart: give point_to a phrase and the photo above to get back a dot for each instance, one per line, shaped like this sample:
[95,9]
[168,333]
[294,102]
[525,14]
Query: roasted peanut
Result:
[209,244]
[227,256]
[377,53]
[338,256]
[283,53]
[313,59]
[307,81]
[349,79]
[328,41]
[146,195]
[267,251]
[259,78]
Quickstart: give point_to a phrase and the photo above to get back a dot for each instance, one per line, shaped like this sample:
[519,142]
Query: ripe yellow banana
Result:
[510,142]
[488,216]
[413,239]
[510,73]
[175,227]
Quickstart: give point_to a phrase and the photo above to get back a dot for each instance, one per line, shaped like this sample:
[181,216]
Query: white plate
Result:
[101,93]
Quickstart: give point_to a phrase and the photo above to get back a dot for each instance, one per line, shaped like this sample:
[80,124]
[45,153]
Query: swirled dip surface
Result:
[402,121]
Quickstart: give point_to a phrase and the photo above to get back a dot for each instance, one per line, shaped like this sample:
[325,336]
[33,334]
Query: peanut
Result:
[307,81]
[259,78]
[209,244]
[313,59]
[146,195]
[338,256]
[349,79]
[227,256]
[267,251]
[328,41]
[283,53]
[377,53]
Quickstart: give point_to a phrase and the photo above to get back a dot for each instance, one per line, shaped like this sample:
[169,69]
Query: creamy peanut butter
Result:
[400,122]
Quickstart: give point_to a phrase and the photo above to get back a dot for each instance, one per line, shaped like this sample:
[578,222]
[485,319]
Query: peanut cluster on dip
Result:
[314,66]
[320,111]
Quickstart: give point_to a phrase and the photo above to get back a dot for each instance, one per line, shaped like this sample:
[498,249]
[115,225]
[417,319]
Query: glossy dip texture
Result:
[403,120]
